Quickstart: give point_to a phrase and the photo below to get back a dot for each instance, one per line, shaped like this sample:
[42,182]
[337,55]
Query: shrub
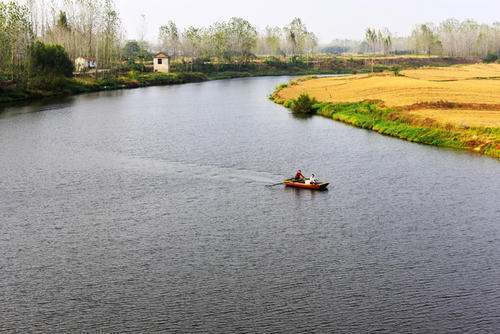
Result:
[304,104]
[50,60]
[490,58]
[281,86]
[133,66]
[50,83]
[396,70]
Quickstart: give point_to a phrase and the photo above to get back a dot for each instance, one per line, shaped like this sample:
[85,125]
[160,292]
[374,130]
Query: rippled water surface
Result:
[146,210]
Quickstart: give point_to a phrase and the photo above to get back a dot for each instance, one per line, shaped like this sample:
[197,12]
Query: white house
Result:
[85,63]
[161,62]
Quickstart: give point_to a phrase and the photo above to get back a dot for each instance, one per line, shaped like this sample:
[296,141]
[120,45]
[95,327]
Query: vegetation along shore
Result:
[71,47]
[141,75]
[456,107]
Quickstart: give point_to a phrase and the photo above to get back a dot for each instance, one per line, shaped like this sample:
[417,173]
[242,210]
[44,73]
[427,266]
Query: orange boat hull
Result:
[319,186]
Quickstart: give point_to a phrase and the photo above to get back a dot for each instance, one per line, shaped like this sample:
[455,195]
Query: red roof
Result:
[87,58]
[161,55]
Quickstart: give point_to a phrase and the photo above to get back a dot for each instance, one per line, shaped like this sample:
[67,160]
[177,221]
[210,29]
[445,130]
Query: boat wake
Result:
[178,169]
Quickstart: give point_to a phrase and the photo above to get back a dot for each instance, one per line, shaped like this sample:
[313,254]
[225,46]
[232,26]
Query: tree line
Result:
[451,38]
[89,28]
[31,29]
[92,28]
[237,39]
[456,39]
[33,32]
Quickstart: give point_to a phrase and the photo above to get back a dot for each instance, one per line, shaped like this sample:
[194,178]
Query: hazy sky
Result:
[328,19]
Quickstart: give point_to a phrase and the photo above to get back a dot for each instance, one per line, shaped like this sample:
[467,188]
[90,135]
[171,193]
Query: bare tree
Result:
[170,39]
[296,34]
[371,39]
[16,37]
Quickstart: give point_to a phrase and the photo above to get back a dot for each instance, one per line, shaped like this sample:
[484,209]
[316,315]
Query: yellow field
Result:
[461,117]
[455,73]
[476,88]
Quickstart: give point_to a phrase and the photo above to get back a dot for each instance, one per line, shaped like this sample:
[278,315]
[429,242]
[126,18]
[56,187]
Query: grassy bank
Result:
[87,84]
[397,122]
[66,86]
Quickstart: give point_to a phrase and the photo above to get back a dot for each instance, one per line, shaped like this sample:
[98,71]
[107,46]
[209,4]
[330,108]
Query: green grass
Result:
[368,115]
[72,86]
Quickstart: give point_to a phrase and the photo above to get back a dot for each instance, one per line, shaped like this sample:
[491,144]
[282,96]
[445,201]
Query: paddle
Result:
[273,185]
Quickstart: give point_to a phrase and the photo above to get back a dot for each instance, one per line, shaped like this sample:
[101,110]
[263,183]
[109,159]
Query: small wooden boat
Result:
[297,184]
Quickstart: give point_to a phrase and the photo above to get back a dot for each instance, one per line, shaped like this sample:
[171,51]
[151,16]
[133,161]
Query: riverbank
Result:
[456,107]
[87,84]
[264,66]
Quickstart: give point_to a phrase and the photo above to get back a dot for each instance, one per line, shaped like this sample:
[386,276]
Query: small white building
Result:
[161,62]
[84,64]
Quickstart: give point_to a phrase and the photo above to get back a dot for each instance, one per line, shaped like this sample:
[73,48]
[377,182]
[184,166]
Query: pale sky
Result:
[328,19]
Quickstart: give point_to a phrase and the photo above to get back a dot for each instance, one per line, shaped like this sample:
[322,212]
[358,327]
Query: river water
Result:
[146,210]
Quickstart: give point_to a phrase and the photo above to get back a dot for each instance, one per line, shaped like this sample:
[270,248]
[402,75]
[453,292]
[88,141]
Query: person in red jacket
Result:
[299,176]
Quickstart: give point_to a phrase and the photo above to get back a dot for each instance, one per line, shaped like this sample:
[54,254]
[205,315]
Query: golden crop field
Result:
[475,87]
[461,117]
[475,71]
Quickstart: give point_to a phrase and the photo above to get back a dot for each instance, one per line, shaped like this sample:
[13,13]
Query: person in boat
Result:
[299,176]
[312,180]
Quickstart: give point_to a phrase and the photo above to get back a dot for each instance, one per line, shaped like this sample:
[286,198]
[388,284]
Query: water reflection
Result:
[301,116]
[26,107]
[53,103]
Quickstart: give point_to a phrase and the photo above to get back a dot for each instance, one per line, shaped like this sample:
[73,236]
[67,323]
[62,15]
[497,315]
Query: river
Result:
[146,210]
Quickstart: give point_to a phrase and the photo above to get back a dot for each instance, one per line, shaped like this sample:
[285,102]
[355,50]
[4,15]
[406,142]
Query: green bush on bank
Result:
[369,115]
[490,58]
[157,78]
[50,65]
[303,104]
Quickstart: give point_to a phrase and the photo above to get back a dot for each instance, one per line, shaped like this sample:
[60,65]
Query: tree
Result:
[242,38]
[170,39]
[16,37]
[296,34]
[272,40]
[218,41]
[62,21]
[385,40]
[425,39]
[469,30]
[90,28]
[50,61]
[311,43]
[133,50]
[109,35]
[448,35]
[192,43]
[371,39]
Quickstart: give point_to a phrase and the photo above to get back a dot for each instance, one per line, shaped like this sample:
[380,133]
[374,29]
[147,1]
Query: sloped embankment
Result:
[456,107]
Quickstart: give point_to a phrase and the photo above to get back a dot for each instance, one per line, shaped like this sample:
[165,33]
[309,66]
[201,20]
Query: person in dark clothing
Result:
[299,176]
